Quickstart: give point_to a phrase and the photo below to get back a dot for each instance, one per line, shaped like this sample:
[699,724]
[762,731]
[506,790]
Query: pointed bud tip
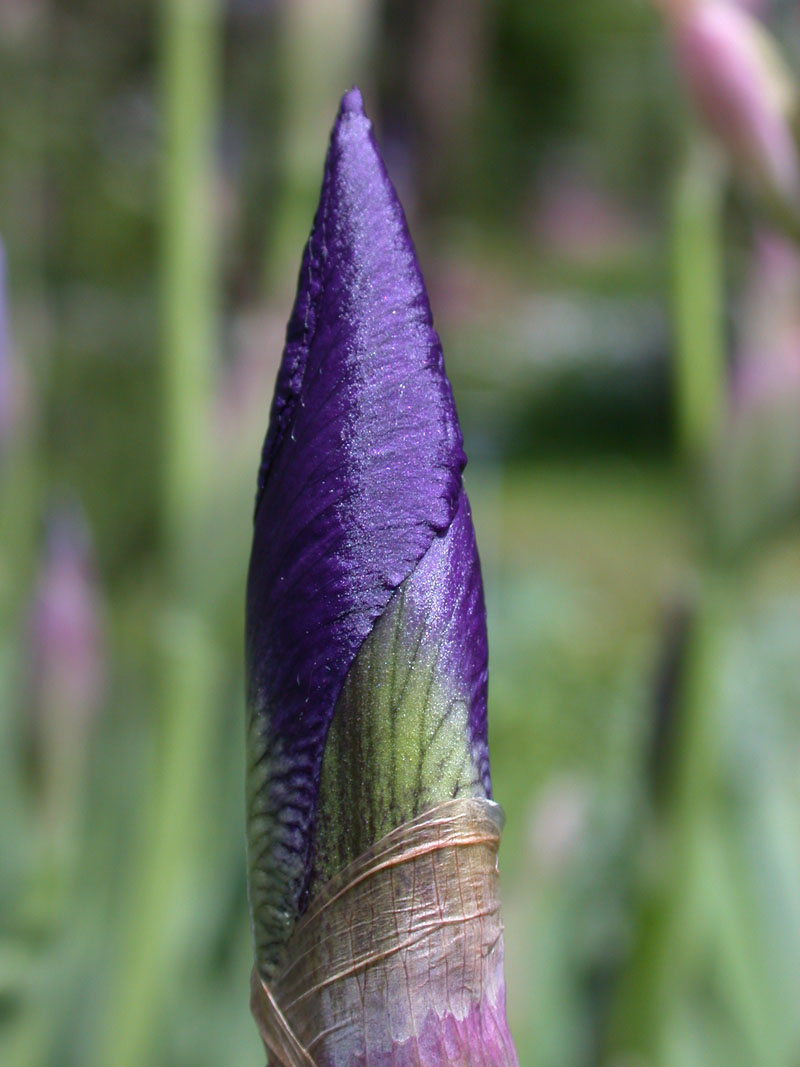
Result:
[352,102]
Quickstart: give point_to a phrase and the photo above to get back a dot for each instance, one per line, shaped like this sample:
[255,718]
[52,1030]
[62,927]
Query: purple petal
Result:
[361,471]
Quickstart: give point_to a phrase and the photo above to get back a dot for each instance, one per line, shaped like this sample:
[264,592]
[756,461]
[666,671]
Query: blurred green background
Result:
[622,329]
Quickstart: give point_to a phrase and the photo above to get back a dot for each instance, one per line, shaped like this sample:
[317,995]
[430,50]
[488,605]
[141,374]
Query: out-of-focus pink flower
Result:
[768,361]
[759,8]
[755,473]
[67,650]
[8,384]
[742,90]
[15,395]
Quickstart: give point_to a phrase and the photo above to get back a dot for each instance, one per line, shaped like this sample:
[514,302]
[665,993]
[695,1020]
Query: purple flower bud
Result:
[8,377]
[742,89]
[66,630]
[366,626]
[67,656]
[754,482]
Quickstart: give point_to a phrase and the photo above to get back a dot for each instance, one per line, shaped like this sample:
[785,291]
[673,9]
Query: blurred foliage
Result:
[160,167]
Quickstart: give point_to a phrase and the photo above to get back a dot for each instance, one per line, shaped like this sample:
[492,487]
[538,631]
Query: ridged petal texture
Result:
[365,617]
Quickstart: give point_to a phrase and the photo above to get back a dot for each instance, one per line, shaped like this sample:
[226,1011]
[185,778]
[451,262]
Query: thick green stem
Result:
[700,923]
[155,950]
[667,923]
[190,32]
[698,300]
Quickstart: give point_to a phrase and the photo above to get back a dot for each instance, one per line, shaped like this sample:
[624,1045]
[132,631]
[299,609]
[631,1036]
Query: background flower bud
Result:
[68,670]
[10,398]
[741,88]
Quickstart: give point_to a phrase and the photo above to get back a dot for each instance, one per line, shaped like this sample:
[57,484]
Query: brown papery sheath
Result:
[406,938]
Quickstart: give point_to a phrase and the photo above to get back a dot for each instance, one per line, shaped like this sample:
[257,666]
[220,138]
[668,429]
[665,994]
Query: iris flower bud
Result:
[371,830]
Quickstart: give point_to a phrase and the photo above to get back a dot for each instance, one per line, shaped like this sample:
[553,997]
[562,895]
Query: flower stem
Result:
[697,295]
[166,856]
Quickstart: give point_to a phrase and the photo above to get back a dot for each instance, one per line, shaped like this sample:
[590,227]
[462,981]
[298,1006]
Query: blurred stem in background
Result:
[189,97]
[698,299]
[668,925]
[701,955]
[156,944]
[324,49]
[21,468]
[19,490]
[700,962]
